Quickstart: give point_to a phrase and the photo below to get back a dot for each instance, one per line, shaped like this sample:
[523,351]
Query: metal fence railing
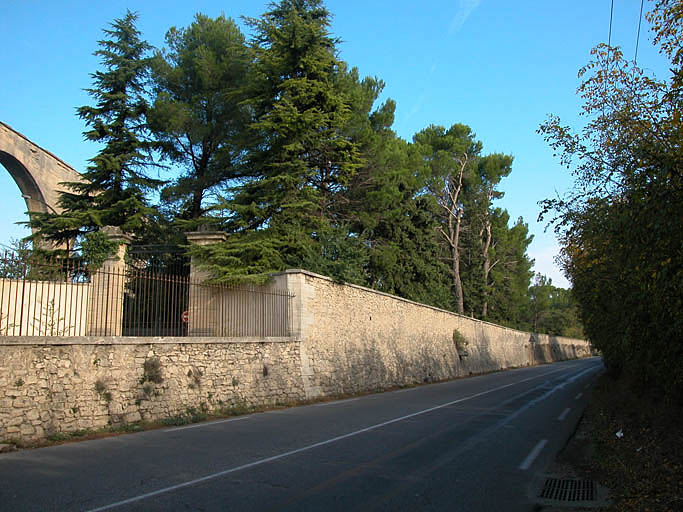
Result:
[42,297]
[67,298]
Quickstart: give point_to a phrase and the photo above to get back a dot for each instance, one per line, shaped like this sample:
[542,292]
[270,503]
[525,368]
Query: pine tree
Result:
[198,119]
[479,243]
[298,157]
[452,156]
[112,192]
[509,279]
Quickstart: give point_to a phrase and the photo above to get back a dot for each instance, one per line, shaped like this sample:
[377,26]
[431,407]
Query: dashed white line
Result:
[578,396]
[564,414]
[207,424]
[526,463]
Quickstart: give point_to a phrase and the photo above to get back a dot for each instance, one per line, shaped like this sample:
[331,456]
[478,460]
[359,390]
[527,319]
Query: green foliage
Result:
[283,146]
[191,415]
[489,268]
[620,227]
[15,263]
[299,161]
[112,192]
[460,343]
[552,310]
[195,376]
[338,254]
[246,257]
[100,386]
[450,156]
[510,272]
[198,117]
[387,208]
[96,248]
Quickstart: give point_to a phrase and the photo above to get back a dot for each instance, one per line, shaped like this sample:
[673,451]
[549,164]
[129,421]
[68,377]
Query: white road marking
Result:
[406,389]
[337,402]
[578,396]
[206,424]
[259,462]
[564,414]
[526,463]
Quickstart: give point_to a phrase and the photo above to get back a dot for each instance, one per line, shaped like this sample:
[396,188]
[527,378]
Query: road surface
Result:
[475,444]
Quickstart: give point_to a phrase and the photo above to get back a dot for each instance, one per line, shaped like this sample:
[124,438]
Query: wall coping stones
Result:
[136,340]
[408,301]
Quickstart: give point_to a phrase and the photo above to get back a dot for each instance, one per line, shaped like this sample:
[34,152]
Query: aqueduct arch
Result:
[37,172]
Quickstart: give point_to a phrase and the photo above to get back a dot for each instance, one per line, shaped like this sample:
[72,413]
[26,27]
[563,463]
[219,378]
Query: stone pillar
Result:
[302,322]
[204,301]
[107,287]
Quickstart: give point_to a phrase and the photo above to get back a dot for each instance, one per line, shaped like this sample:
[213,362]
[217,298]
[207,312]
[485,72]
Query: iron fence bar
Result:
[139,298]
[31,325]
[70,293]
[2,308]
[21,314]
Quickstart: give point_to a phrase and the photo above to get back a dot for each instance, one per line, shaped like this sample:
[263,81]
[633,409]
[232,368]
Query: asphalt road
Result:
[475,444]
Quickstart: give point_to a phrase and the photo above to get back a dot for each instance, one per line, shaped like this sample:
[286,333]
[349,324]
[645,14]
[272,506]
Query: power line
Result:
[640,20]
[611,11]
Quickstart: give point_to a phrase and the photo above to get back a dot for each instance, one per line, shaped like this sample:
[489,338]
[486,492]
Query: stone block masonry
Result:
[93,383]
[345,339]
[354,339]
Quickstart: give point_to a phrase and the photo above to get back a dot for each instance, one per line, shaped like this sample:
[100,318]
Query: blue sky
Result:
[498,66]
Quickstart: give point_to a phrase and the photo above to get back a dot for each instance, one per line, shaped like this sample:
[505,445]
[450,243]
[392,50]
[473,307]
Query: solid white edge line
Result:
[315,445]
[206,424]
[336,402]
[526,463]
[564,414]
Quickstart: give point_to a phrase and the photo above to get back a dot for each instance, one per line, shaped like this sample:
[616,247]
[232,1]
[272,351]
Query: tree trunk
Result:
[455,256]
[454,232]
[448,198]
[487,265]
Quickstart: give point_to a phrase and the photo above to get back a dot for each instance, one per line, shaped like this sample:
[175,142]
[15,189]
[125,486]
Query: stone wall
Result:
[357,339]
[345,339]
[48,385]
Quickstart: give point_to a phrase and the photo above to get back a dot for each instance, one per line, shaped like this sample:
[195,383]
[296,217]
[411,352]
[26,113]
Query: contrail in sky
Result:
[465,8]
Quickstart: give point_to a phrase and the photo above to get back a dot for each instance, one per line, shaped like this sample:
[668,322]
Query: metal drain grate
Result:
[568,490]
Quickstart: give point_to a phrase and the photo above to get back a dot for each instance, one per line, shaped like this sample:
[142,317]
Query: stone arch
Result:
[30,191]
[37,172]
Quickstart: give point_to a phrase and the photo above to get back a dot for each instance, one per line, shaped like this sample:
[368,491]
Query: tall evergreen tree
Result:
[298,156]
[509,279]
[451,155]
[198,118]
[303,159]
[112,192]
[552,310]
[384,202]
[479,243]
